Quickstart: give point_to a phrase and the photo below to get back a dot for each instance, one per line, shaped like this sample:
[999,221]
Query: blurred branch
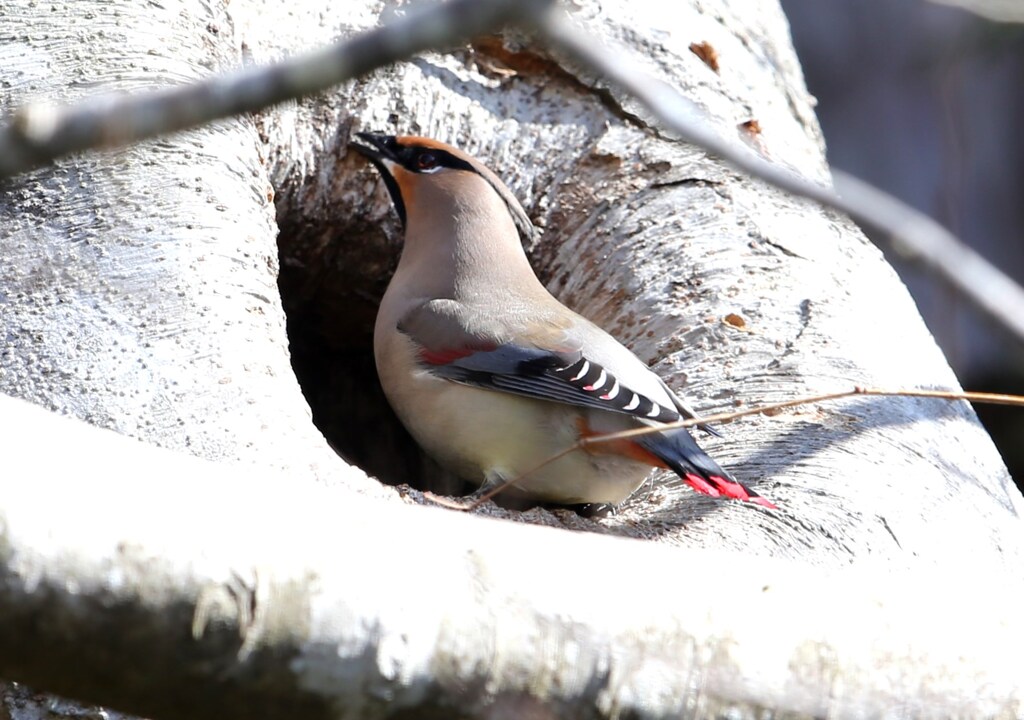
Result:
[997,10]
[910,233]
[38,134]
[922,240]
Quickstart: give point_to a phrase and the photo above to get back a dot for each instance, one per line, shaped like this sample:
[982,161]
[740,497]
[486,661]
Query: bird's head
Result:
[410,164]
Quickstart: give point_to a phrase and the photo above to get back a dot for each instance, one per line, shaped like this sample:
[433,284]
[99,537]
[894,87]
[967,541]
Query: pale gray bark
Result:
[660,244]
[296,605]
[736,294]
[139,287]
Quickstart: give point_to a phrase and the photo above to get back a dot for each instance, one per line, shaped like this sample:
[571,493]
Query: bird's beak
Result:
[379,149]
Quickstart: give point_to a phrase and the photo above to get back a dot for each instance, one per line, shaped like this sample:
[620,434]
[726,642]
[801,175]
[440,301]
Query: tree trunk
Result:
[737,294]
[139,286]
[137,293]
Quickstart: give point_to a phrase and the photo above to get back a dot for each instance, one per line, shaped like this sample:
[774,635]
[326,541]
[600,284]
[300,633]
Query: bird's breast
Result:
[481,434]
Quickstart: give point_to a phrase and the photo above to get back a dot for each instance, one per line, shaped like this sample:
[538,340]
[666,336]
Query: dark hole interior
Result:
[351,411]
[331,280]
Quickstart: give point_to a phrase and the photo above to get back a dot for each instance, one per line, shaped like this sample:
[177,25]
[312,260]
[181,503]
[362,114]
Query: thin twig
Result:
[980,397]
[500,487]
[583,443]
[38,134]
[911,233]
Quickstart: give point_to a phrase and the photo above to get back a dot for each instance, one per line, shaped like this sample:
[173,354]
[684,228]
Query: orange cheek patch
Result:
[406,185]
[625,448]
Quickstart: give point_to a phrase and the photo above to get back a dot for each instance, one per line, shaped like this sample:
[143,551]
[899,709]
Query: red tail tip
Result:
[716,486]
[701,485]
[764,502]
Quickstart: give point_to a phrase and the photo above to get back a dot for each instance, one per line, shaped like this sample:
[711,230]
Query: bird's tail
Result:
[681,453]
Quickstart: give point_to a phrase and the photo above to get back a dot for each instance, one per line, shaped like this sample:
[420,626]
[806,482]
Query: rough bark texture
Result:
[735,293]
[139,287]
[334,614]
[137,293]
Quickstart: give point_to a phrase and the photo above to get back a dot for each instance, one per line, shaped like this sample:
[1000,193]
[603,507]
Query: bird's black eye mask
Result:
[414,158]
[423,159]
[420,159]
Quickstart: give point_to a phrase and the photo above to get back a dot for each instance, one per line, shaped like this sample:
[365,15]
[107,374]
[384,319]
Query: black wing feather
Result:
[560,377]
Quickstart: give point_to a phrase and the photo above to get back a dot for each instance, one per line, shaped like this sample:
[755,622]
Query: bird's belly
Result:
[484,435]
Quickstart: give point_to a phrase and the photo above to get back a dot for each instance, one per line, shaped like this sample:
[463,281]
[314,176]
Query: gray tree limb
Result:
[139,289]
[291,605]
[38,133]
[909,232]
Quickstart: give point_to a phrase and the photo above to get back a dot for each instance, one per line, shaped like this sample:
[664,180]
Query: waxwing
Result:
[488,371]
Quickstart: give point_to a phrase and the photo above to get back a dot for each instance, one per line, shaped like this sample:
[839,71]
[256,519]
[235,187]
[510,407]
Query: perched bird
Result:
[488,371]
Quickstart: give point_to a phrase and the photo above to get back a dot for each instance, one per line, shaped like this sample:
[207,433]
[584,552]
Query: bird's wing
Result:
[538,360]
[535,357]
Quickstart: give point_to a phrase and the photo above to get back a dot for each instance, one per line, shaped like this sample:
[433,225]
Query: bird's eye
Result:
[427,161]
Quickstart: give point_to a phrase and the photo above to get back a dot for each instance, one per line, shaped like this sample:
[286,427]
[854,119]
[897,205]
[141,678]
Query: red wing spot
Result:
[442,357]
[447,355]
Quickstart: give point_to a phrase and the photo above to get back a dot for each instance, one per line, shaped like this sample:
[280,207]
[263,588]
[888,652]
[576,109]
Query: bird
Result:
[489,372]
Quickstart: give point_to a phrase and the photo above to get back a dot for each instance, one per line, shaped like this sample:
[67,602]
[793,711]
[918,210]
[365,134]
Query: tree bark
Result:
[139,286]
[735,293]
[295,605]
[138,294]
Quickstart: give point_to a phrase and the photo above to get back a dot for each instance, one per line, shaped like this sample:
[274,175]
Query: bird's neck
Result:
[465,248]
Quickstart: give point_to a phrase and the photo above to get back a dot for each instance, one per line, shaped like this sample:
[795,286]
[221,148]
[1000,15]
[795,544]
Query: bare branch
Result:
[911,233]
[38,134]
[922,240]
[978,397]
